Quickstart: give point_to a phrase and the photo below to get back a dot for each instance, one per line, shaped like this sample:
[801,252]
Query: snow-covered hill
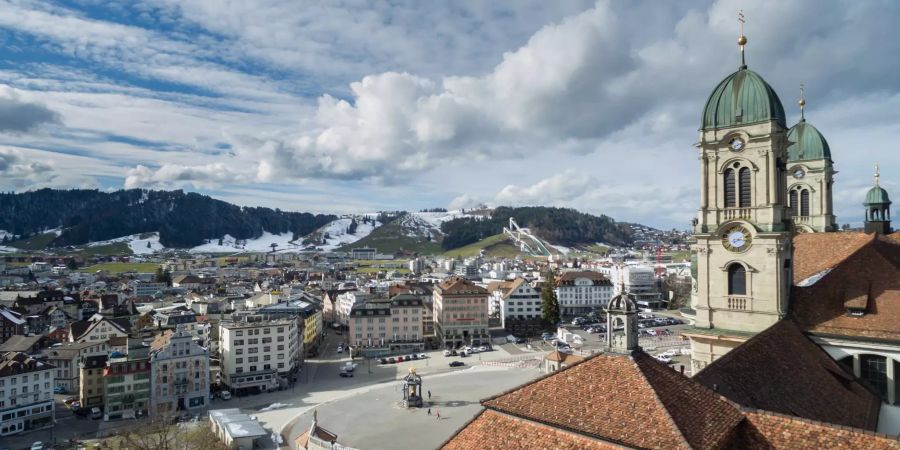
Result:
[336,233]
[140,244]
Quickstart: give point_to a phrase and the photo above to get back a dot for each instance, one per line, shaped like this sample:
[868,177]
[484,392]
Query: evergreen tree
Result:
[71,264]
[549,302]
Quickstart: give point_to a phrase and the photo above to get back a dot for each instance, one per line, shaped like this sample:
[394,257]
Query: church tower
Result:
[810,175]
[878,208]
[742,232]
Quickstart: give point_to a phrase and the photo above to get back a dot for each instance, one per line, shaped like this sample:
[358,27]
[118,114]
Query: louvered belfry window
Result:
[793,201]
[744,183]
[730,191]
[804,202]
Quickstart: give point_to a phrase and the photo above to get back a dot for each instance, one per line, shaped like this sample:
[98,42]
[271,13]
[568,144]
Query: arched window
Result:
[793,202]
[744,182]
[737,280]
[730,192]
[804,202]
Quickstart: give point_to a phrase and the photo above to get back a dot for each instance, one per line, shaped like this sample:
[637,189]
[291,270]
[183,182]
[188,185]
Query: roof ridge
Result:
[660,402]
[540,378]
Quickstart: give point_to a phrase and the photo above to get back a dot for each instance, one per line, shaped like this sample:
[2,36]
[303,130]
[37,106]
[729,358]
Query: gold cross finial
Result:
[877,175]
[742,40]
[802,103]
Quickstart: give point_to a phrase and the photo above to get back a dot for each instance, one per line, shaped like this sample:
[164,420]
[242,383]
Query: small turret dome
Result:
[877,196]
[742,98]
[806,143]
[622,303]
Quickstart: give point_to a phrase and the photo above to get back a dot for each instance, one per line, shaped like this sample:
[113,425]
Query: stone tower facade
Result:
[742,233]
[878,208]
[621,314]
[810,176]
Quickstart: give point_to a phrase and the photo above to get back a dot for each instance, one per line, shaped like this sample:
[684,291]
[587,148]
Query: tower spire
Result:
[802,103]
[742,40]
[877,175]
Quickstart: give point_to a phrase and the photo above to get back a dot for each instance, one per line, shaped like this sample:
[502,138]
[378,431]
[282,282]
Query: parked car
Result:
[482,349]
[225,395]
[520,340]
[423,355]
[392,360]
[399,359]
[346,374]
[96,413]
[59,390]
[37,446]
[340,349]
[70,400]
[446,352]
[457,364]
[413,356]
[383,360]
[664,358]
[670,353]
[651,332]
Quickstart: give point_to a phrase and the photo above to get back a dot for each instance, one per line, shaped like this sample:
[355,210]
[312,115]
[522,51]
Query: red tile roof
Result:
[632,400]
[764,430]
[782,370]
[816,252]
[868,279]
[492,430]
[459,286]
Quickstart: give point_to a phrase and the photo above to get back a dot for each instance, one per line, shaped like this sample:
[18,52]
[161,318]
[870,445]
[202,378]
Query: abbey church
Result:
[796,336]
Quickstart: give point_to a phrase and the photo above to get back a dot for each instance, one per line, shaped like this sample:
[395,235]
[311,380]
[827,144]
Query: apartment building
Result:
[90,380]
[262,354]
[383,326]
[26,394]
[347,301]
[126,382]
[65,358]
[580,292]
[460,313]
[179,373]
[519,305]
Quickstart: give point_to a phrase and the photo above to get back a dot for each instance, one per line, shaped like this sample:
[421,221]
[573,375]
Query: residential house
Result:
[11,323]
[98,328]
[90,380]
[260,353]
[460,313]
[26,394]
[126,382]
[179,373]
[66,357]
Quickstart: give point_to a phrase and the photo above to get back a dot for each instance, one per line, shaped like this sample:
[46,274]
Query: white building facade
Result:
[260,353]
[179,374]
[26,394]
[580,292]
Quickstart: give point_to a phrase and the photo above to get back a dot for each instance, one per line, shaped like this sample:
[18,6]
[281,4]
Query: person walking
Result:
[429,394]
[438,415]
[429,411]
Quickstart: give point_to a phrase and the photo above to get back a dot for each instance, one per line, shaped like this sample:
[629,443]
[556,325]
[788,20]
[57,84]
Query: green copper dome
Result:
[877,196]
[742,98]
[806,143]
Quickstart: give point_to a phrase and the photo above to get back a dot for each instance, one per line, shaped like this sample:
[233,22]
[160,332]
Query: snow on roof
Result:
[12,317]
[815,278]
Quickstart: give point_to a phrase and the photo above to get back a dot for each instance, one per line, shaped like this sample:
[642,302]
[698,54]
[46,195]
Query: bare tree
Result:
[164,434]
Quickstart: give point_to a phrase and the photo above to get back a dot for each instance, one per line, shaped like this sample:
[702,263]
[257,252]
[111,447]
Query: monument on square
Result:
[412,389]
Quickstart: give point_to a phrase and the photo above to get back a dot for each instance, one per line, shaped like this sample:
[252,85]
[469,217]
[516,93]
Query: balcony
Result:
[802,220]
[738,303]
[737,213]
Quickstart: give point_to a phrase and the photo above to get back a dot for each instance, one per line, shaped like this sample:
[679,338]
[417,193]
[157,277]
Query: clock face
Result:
[799,173]
[736,144]
[737,239]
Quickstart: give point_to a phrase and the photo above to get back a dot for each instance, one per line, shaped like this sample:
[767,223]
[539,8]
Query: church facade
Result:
[767,247]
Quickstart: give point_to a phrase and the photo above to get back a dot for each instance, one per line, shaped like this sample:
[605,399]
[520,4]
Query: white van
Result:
[225,395]
[96,413]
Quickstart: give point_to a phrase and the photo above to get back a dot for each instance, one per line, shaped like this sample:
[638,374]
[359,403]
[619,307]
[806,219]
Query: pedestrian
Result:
[439,415]
[429,395]
[429,411]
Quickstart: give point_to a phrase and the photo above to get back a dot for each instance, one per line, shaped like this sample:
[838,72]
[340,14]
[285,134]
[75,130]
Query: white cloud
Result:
[18,116]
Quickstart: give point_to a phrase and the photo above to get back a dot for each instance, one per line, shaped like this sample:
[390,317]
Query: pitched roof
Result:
[569,277]
[817,252]
[459,286]
[866,281]
[494,430]
[565,358]
[765,430]
[632,400]
[782,370]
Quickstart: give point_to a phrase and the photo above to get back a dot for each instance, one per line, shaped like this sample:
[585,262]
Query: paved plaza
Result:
[374,419]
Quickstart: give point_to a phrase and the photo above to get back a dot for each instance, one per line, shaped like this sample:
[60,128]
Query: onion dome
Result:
[806,143]
[742,98]
[877,196]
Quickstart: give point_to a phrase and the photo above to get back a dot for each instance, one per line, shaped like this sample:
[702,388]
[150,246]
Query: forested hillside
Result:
[562,226]
[182,219]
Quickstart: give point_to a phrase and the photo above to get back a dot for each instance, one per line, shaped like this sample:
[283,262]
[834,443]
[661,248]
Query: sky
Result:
[346,106]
